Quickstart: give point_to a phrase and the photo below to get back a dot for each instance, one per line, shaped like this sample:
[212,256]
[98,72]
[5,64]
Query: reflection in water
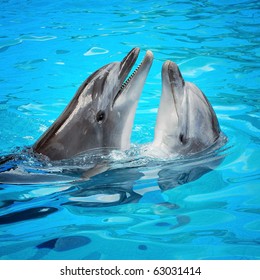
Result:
[87,204]
[112,187]
[28,214]
[176,174]
[95,180]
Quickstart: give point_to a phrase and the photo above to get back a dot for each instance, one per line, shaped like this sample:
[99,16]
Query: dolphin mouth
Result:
[127,65]
[172,77]
[174,85]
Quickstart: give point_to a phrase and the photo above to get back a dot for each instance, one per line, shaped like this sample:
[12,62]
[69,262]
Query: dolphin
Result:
[186,122]
[101,113]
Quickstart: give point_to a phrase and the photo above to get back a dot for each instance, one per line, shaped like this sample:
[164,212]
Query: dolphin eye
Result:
[100,116]
[181,138]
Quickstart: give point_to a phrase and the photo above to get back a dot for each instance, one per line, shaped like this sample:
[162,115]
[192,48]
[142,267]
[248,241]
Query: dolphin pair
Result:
[101,113]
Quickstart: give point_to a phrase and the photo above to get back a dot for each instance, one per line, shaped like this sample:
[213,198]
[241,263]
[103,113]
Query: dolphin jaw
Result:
[148,58]
[125,102]
[144,66]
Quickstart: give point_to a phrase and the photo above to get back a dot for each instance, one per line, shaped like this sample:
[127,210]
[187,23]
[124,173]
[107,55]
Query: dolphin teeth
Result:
[130,77]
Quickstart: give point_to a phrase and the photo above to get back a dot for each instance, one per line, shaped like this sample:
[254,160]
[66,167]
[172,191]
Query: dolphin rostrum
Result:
[101,113]
[186,122]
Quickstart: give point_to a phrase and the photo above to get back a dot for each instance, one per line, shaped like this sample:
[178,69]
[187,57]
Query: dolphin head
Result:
[101,113]
[186,122]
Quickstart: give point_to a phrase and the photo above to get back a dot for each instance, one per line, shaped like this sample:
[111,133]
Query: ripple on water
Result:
[95,51]
[182,223]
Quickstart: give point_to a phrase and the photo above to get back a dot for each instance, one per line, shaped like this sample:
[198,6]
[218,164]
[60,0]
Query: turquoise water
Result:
[205,207]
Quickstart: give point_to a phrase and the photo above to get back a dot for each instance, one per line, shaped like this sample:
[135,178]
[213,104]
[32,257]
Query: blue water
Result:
[205,207]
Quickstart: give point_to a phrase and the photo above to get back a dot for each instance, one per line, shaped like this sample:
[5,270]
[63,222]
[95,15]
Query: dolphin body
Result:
[101,113]
[186,122]
[101,116]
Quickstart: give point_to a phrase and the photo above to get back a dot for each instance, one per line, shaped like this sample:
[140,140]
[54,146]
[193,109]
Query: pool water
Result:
[202,207]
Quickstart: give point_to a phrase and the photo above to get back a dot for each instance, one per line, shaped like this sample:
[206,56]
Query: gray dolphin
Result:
[186,122]
[101,113]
